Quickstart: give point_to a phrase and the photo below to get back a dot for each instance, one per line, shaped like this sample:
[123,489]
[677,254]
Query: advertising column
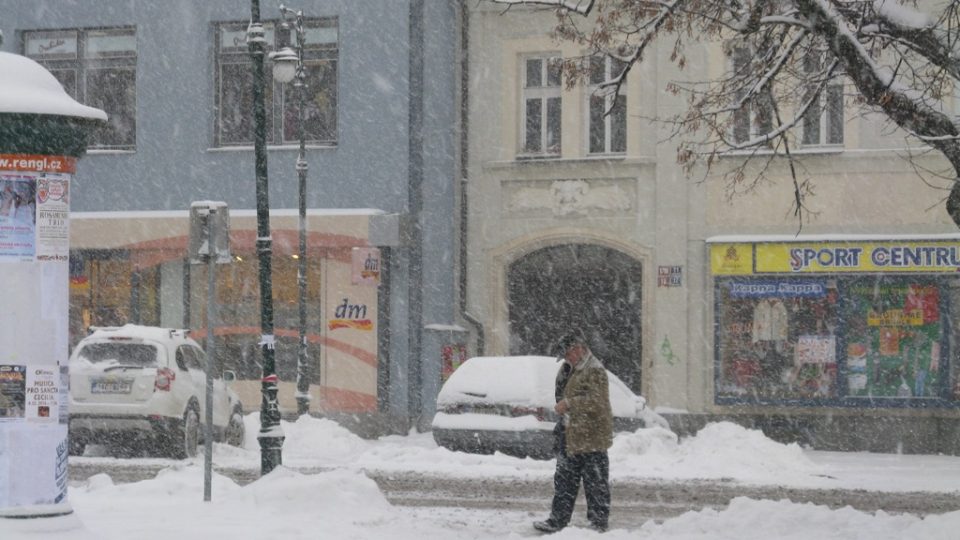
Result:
[34,254]
[42,133]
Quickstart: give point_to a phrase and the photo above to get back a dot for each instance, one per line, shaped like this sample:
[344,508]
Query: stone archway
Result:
[592,287]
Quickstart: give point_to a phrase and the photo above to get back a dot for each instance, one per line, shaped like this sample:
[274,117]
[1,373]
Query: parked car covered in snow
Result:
[143,387]
[505,404]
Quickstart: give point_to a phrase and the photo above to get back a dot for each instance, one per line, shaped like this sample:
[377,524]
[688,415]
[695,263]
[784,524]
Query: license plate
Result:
[482,409]
[111,386]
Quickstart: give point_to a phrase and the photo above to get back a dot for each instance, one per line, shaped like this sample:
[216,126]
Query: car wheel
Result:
[186,437]
[235,430]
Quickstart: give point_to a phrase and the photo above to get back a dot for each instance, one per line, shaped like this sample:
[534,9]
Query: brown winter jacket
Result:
[589,421]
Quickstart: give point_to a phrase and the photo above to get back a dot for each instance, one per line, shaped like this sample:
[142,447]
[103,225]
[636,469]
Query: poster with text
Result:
[35,207]
[43,394]
[64,395]
[17,217]
[12,392]
[53,217]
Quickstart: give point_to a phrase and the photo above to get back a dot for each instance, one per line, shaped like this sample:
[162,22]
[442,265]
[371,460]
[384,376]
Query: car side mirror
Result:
[229,376]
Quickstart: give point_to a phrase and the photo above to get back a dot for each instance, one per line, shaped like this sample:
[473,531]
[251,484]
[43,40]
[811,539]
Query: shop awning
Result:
[168,231]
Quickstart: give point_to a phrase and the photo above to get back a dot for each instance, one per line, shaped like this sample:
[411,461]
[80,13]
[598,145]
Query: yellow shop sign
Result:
[731,259]
[747,258]
[895,317]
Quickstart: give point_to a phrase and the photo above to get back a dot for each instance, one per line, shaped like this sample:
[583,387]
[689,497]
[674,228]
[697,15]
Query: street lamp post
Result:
[271,433]
[288,66]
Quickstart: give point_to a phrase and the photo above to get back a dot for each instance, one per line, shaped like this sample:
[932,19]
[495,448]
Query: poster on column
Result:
[53,212]
[34,207]
[43,394]
[13,383]
[17,217]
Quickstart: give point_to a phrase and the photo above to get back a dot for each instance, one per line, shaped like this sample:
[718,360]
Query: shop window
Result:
[894,335]
[97,67]
[777,339]
[541,106]
[864,340]
[238,313]
[234,98]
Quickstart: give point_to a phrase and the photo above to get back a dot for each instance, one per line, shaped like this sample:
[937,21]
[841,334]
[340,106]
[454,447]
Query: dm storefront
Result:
[822,322]
[132,268]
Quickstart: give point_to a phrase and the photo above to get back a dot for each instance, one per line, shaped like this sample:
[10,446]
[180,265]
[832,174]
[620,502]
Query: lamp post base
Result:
[271,455]
[36,511]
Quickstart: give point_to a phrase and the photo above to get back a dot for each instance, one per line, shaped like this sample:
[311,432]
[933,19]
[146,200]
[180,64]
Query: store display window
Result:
[777,339]
[799,336]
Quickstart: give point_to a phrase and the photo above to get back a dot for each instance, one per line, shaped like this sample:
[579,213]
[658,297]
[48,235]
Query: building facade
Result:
[381,125]
[711,306]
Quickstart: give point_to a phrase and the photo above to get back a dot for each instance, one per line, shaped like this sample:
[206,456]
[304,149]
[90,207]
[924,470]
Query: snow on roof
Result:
[153,333]
[526,380]
[28,88]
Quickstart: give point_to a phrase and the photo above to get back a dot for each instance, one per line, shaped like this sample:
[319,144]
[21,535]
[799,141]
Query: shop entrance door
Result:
[594,288]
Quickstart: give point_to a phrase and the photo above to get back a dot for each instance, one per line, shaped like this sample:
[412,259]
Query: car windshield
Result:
[126,354]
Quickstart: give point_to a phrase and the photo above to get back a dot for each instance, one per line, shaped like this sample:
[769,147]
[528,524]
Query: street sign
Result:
[207,217]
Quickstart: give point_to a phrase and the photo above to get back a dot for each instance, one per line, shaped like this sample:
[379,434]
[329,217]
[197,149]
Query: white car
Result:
[144,387]
[505,404]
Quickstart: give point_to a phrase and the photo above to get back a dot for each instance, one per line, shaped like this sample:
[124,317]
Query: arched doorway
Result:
[594,288]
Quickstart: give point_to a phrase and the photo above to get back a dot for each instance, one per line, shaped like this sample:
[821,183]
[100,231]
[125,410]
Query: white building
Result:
[688,294]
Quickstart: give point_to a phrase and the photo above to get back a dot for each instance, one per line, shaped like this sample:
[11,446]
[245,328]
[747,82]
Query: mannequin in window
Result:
[770,320]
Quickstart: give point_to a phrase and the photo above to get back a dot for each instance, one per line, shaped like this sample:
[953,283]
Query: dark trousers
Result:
[594,470]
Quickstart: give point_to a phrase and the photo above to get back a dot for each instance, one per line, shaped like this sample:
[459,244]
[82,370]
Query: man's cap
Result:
[567,340]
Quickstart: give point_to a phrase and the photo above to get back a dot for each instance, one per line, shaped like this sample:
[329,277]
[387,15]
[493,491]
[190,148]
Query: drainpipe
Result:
[415,207]
[464,153]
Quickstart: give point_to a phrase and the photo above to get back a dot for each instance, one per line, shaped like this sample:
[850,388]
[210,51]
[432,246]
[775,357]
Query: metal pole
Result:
[271,433]
[303,365]
[211,355]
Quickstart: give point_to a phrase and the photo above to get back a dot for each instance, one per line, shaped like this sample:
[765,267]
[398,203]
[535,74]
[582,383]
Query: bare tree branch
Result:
[897,61]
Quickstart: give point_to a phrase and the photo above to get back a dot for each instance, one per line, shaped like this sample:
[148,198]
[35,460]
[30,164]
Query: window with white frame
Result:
[541,105]
[823,121]
[607,131]
[234,83]
[756,117]
[97,67]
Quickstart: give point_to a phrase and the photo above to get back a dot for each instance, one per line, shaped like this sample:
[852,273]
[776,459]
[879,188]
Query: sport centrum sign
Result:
[932,256]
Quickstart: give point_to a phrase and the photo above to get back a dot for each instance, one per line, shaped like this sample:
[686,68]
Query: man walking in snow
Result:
[584,433]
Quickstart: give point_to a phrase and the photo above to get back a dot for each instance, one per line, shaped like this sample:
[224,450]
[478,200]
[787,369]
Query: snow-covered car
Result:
[144,387]
[505,404]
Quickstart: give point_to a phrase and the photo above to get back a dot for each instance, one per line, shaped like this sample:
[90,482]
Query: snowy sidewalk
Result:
[345,503]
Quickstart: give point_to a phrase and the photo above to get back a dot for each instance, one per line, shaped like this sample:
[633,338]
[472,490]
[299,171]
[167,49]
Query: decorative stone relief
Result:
[566,197]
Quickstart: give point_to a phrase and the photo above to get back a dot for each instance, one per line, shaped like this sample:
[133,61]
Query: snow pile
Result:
[722,451]
[307,442]
[719,450]
[283,504]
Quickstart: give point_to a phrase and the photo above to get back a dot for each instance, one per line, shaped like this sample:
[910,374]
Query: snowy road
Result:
[635,500]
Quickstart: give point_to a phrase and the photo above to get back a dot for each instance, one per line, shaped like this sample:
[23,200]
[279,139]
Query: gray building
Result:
[382,120]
